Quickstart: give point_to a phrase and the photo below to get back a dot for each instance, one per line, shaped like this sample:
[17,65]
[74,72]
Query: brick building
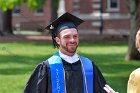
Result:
[27,19]
[101,16]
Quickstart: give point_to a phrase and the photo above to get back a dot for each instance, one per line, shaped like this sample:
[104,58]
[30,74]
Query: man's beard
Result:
[70,50]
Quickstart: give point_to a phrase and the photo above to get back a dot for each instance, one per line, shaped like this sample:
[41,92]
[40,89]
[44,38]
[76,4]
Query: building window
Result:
[16,9]
[113,5]
[39,11]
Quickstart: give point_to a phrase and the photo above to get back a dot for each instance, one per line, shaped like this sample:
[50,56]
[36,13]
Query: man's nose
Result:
[72,39]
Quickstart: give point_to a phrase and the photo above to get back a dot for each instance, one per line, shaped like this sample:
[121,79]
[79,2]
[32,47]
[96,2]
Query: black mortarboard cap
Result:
[65,21]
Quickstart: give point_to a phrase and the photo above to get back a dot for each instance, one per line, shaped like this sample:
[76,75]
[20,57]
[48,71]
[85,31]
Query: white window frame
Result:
[110,9]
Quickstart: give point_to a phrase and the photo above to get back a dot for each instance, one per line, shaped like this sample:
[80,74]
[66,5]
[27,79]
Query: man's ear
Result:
[57,40]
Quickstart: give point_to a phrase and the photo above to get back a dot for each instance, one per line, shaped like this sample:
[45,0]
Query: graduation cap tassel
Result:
[54,42]
[50,32]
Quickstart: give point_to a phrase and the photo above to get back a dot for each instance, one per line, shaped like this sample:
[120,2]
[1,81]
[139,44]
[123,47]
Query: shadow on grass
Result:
[108,63]
[23,64]
[113,63]
[22,59]
[15,71]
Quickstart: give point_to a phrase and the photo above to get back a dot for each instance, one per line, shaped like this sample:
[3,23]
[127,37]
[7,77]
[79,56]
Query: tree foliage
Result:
[32,4]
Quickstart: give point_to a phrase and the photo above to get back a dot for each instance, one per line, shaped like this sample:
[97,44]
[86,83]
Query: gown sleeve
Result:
[99,81]
[38,81]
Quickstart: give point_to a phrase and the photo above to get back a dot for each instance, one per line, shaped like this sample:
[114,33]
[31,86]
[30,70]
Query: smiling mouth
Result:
[72,44]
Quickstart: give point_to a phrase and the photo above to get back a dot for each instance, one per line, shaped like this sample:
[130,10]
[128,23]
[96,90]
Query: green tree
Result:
[6,7]
[134,8]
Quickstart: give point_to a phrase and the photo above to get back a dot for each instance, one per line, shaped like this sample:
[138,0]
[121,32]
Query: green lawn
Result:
[17,60]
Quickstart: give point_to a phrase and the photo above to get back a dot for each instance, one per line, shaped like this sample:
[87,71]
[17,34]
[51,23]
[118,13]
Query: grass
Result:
[17,60]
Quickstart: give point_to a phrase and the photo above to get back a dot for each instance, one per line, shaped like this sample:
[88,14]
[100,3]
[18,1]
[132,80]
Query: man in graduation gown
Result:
[66,71]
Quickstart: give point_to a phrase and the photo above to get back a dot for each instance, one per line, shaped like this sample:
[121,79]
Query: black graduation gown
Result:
[40,81]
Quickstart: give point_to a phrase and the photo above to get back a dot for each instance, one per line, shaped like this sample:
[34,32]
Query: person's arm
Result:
[108,89]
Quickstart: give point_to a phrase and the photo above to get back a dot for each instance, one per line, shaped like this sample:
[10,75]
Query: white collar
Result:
[69,59]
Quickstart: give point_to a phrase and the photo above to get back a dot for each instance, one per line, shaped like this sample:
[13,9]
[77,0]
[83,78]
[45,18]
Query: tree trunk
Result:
[132,51]
[1,24]
[54,8]
[6,23]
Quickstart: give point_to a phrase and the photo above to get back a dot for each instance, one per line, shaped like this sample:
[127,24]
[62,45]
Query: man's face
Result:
[68,41]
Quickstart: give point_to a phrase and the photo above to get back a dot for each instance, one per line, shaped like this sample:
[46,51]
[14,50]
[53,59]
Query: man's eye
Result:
[75,36]
[66,37]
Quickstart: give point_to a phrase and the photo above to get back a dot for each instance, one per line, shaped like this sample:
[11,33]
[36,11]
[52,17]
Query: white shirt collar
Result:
[69,59]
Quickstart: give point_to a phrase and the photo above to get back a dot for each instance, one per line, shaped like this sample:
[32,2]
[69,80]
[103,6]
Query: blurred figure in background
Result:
[134,78]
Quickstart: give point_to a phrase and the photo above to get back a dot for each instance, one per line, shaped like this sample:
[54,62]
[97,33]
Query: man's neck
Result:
[69,59]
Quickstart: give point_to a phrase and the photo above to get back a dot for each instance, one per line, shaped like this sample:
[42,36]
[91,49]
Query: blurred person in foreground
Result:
[66,71]
[133,85]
